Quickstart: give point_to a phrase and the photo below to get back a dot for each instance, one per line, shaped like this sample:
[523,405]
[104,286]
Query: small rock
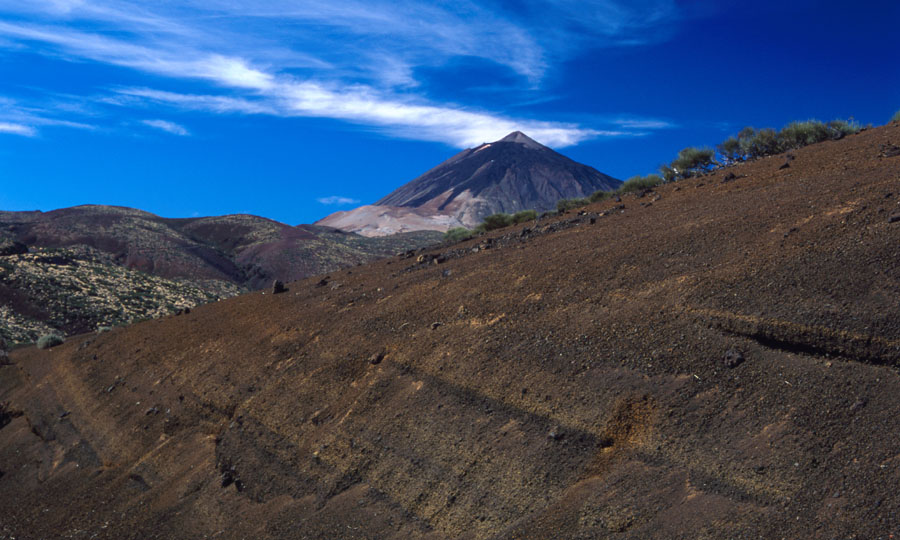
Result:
[151,410]
[733,358]
[889,150]
[187,310]
[322,282]
[786,165]
[446,272]
[435,325]
[894,218]
[555,433]
[729,177]
[278,287]
[376,358]
[860,403]
[593,220]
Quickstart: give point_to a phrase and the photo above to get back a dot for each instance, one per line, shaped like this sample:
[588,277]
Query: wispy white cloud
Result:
[17,129]
[19,119]
[337,199]
[304,57]
[644,123]
[168,127]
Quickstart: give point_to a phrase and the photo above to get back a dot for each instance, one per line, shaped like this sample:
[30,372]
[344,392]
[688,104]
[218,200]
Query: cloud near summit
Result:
[354,61]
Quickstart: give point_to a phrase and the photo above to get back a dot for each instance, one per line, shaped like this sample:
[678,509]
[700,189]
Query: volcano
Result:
[512,174]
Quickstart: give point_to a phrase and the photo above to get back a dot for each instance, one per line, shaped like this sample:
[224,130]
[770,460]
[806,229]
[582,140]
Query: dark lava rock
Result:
[889,150]
[733,358]
[729,177]
[859,404]
[322,282]
[376,358]
[278,287]
[11,247]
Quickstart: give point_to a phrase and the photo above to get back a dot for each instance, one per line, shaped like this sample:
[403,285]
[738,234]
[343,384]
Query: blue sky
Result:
[293,109]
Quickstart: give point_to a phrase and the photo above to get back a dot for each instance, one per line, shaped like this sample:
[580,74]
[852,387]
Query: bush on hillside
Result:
[690,162]
[49,340]
[760,143]
[496,221]
[524,215]
[896,117]
[730,149]
[799,134]
[601,195]
[571,204]
[640,183]
[457,234]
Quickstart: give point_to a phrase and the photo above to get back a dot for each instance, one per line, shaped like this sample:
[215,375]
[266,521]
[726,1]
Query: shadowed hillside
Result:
[716,358]
[90,266]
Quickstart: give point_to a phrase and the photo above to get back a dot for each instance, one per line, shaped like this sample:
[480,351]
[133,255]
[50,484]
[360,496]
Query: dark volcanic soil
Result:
[713,360]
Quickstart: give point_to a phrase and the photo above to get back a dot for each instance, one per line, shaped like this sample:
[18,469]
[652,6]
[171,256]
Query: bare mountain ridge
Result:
[512,174]
[81,252]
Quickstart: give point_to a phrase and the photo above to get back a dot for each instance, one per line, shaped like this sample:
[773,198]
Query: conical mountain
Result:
[512,174]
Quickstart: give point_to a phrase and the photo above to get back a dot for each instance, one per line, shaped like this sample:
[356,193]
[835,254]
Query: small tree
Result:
[896,117]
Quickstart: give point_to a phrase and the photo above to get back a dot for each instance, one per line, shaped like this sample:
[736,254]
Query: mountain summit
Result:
[512,174]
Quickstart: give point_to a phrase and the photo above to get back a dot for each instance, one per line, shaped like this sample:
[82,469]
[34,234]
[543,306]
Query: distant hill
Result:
[191,260]
[512,174]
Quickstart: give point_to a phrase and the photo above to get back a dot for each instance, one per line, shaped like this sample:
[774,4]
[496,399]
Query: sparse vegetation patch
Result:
[49,340]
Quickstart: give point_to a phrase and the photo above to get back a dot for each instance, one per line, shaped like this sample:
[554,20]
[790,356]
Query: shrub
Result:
[523,216]
[730,149]
[896,117]
[49,340]
[799,134]
[691,162]
[639,183]
[496,221]
[840,128]
[457,234]
[601,195]
[570,204]
[761,143]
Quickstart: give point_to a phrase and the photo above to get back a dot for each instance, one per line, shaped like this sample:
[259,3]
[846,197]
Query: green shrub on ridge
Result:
[640,183]
[457,234]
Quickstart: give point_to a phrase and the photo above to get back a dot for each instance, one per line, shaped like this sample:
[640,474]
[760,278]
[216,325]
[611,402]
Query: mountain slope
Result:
[512,174]
[188,260]
[713,360]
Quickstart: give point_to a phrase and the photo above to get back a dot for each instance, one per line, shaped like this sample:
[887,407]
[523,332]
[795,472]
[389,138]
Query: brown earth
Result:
[572,381]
